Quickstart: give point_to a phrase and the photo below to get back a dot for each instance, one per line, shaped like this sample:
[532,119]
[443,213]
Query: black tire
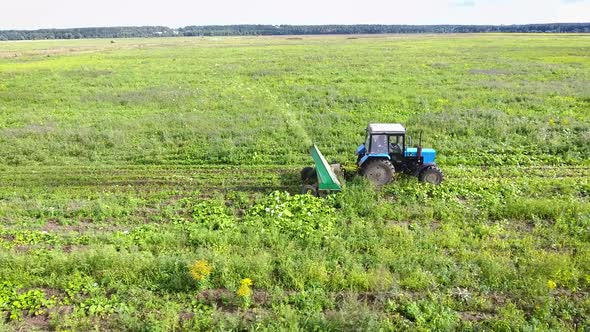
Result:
[308,175]
[431,174]
[380,171]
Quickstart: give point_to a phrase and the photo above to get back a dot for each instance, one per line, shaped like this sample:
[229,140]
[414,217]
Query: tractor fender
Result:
[373,156]
[423,167]
[361,150]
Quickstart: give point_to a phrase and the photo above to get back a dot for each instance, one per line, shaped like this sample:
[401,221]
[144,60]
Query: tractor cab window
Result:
[379,144]
[396,144]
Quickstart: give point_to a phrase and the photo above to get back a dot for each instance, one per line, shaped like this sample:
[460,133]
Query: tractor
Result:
[383,154]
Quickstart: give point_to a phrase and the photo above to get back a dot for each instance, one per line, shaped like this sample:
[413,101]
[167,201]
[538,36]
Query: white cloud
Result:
[31,14]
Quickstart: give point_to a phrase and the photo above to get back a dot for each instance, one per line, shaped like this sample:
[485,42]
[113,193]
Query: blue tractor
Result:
[385,152]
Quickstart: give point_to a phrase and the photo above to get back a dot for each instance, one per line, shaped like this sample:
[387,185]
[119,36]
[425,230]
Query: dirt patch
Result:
[22,248]
[73,248]
[498,298]
[435,224]
[225,300]
[376,300]
[219,297]
[83,226]
[7,237]
[64,310]
[146,213]
[51,292]
[370,297]
[576,296]
[185,315]
[52,226]
[403,224]
[522,226]
[34,323]
[474,316]
[261,297]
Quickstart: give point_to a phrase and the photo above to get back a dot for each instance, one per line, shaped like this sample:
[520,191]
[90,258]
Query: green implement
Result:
[327,179]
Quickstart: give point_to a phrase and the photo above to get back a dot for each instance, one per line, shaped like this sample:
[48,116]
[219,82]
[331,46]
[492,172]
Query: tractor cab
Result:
[384,152]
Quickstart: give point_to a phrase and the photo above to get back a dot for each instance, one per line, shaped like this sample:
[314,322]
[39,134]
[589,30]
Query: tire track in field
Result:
[224,178]
[552,172]
[148,179]
[290,119]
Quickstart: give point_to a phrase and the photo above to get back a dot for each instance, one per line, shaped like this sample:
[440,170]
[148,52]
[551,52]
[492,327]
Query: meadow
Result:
[151,184]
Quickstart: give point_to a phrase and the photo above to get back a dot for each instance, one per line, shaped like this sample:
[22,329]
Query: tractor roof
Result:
[386,128]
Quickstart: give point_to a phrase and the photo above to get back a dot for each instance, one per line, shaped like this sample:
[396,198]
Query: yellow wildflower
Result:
[245,290]
[200,270]
[551,284]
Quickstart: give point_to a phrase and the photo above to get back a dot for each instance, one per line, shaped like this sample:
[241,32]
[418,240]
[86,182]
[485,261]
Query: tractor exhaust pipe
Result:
[419,149]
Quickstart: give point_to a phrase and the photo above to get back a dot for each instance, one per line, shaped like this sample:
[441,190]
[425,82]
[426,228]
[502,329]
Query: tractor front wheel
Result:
[380,172]
[431,174]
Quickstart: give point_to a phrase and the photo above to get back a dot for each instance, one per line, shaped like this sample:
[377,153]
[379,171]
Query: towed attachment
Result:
[327,179]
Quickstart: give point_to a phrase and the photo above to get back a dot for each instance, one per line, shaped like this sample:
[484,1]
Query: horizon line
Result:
[289,25]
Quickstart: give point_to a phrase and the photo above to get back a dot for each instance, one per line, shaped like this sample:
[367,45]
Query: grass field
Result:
[150,184]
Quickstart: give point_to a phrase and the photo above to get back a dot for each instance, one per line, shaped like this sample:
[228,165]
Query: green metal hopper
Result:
[327,179]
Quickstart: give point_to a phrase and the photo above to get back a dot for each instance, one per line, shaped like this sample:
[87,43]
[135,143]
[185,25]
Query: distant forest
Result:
[270,30]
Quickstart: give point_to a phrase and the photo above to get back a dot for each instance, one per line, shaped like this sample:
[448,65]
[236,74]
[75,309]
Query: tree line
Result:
[270,30]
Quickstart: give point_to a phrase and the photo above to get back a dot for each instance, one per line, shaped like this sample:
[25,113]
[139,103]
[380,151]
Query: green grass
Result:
[124,163]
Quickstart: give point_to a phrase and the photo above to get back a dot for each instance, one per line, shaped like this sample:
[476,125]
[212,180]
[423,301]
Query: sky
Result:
[35,14]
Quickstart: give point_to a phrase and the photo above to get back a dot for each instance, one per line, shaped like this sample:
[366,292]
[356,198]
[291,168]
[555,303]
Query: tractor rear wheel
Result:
[380,172]
[431,174]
